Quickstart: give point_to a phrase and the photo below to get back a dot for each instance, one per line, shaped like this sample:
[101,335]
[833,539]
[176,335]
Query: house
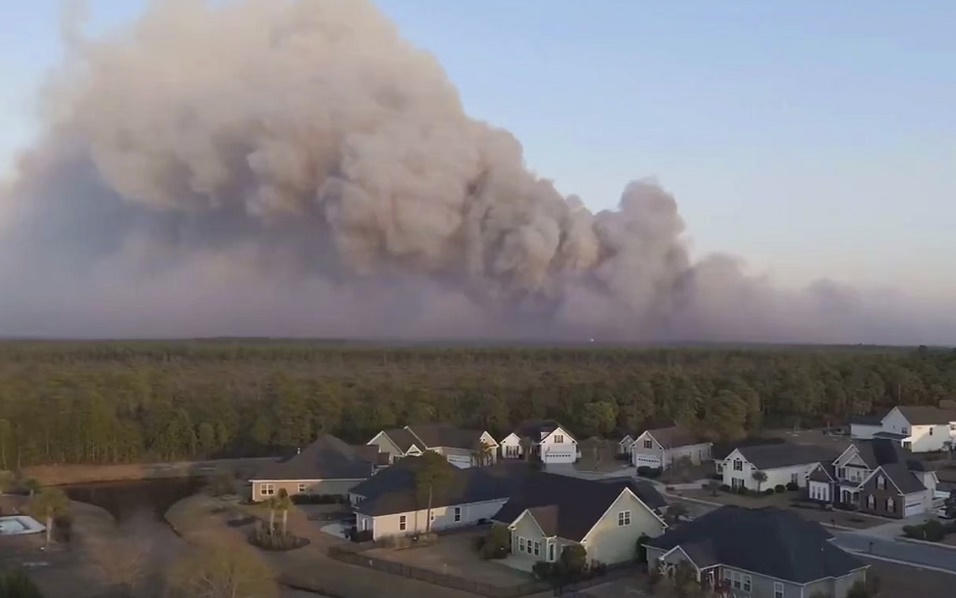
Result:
[662,447]
[389,503]
[876,476]
[919,428]
[551,512]
[758,553]
[545,439]
[459,446]
[721,450]
[328,466]
[782,463]
[624,445]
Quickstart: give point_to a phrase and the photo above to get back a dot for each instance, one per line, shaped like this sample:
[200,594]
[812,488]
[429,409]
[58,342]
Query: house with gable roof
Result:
[662,447]
[917,428]
[458,445]
[546,439]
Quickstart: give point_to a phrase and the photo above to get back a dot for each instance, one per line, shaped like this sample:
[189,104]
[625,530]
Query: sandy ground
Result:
[80,474]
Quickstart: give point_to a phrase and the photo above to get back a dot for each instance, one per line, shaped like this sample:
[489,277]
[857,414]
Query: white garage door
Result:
[647,461]
[913,509]
[562,455]
[460,461]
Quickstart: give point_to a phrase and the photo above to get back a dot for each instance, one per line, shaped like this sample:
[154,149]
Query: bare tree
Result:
[124,561]
[220,570]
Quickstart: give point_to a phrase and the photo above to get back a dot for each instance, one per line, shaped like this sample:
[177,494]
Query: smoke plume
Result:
[282,167]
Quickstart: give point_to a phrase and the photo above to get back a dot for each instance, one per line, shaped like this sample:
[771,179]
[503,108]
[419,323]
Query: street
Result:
[914,554]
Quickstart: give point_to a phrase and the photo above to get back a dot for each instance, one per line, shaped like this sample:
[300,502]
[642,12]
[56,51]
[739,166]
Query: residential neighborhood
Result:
[545,440]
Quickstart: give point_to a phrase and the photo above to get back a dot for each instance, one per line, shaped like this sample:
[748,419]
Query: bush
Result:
[742,490]
[478,542]
[780,488]
[717,477]
[725,487]
[544,570]
[361,536]
[768,492]
[277,541]
[931,531]
[496,544]
[648,472]
[793,486]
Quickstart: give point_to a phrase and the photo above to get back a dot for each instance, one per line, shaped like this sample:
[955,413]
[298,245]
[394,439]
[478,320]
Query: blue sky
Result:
[813,138]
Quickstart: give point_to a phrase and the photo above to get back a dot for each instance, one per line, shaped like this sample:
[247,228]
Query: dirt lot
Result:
[454,555]
[783,500]
[79,474]
[308,567]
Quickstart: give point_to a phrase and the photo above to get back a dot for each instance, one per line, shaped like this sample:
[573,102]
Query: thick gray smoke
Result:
[280,167]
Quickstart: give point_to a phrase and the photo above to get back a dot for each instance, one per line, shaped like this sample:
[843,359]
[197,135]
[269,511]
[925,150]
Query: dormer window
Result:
[905,431]
[559,439]
[738,465]
[881,482]
[648,443]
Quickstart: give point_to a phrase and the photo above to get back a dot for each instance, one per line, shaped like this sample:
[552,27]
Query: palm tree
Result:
[283,504]
[759,477]
[433,474]
[47,504]
[483,454]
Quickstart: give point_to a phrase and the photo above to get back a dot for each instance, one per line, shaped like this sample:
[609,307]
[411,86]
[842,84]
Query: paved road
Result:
[915,554]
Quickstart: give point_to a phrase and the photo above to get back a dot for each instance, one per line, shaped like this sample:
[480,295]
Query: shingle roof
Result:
[326,458]
[537,429]
[674,436]
[902,478]
[880,451]
[403,439]
[644,491]
[922,415]
[770,542]
[570,506]
[772,456]
[394,490]
[720,450]
[867,420]
[823,473]
[446,435]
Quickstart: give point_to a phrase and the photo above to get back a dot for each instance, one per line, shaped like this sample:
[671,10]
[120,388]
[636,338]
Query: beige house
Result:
[662,447]
[389,504]
[328,466]
[459,446]
[606,517]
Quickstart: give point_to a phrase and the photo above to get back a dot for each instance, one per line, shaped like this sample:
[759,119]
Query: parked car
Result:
[942,513]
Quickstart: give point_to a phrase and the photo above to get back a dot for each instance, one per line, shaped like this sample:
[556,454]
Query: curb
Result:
[925,543]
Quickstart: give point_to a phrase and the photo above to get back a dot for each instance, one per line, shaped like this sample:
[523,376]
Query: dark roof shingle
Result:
[538,429]
[570,506]
[924,415]
[772,456]
[326,458]
[770,542]
[902,478]
[446,435]
[674,436]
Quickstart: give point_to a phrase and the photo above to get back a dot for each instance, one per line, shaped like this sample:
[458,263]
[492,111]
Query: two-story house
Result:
[780,464]
[918,428]
[876,476]
[546,439]
[662,447]
[461,447]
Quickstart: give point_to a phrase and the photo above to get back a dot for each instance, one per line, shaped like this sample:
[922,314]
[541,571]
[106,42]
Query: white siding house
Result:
[923,429]
[547,439]
[663,447]
[416,521]
[781,463]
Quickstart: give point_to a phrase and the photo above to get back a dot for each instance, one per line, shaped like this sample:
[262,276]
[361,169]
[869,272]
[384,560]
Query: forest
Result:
[115,402]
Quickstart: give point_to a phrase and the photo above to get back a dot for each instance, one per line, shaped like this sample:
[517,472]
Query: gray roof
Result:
[823,473]
[772,456]
[675,436]
[867,420]
[395,489]
[536,429]
[880,451]
[922,415]
[569,507]
[328,458]
[446,435]
[403,439]
[902,478]
[771,542]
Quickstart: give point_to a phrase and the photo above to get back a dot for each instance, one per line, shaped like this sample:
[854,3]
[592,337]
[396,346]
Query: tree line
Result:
[117,402]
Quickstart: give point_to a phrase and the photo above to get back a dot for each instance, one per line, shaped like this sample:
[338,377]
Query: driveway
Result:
[904,552]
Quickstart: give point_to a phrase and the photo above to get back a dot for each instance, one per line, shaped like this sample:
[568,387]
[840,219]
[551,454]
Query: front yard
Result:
[454,554]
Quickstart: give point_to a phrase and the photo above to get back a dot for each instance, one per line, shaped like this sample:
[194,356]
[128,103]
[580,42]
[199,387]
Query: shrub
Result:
[742,490]
[768,492]
[496,544]
[543,570]
[478,542]
[725,487]
[717,477]
[640,551]
[931,531]
[648,472]
[780,488]
[278,541]
[574,561]
[793,486]
[362,536]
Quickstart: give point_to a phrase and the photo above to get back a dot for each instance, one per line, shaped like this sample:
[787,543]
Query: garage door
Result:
[913,509]
[460,461]
[647,461]
[560,456]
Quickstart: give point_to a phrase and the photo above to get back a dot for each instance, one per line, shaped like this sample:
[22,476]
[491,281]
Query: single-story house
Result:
[328,466]
[461,447]
[918,428]
[546,439]
[782,463]
[758,553]
[624,445]
[877,476]
[864,427]
[389,503]
[551,512]
[662,447]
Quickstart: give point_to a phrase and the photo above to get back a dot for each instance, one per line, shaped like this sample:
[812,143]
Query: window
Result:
[870,502]
[736,483]
[739,581]
[268,489]
[302,488]
[890,504]
[457,514]
[402,523]
[738,465]
[746,580]
[624,518]
[794,477]
[648,443]
[364,524]
[931,430]
[881,482]
[551,551]
[433,516]
[537,548]
[777,589]
[952,427]
[841,473]
[520,544]
[905,431]
[559,438]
